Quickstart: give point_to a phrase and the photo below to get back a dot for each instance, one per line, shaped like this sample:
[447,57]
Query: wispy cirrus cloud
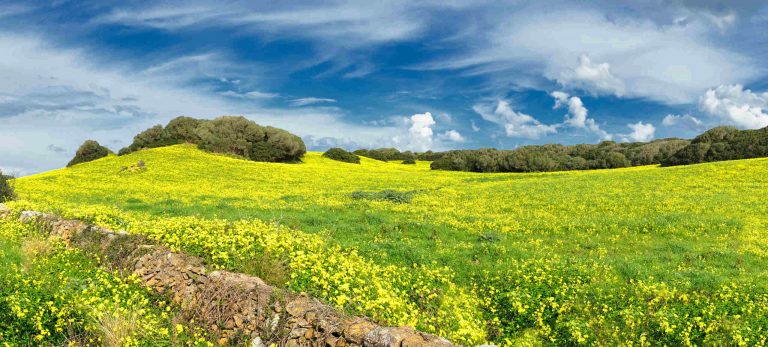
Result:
[583,49]
[311,101]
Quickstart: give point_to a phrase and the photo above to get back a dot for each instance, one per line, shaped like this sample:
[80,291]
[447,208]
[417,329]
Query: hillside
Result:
[667,255]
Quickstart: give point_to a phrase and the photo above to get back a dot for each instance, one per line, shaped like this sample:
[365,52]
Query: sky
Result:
[415,75]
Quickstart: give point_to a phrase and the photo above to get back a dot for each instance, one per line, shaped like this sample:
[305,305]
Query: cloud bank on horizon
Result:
[417,75]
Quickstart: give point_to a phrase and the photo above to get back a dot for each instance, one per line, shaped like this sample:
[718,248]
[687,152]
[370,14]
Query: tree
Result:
[182,129]
[150,138]
[7,191]
[90,150]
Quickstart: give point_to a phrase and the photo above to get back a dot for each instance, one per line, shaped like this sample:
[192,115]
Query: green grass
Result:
[693,228]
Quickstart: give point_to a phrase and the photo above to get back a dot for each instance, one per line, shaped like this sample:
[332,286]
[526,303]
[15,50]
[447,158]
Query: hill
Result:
[664,255]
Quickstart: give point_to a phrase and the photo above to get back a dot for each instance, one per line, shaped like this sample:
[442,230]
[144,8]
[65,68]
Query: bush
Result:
[384,195]
[341,155]
[7,192]
[90,150]
[227,134]
[409,161]
[722,143]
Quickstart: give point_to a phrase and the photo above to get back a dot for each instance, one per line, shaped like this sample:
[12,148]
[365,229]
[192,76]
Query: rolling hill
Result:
[672,255]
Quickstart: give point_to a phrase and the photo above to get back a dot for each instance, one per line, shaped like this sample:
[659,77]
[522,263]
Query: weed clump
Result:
[384,195]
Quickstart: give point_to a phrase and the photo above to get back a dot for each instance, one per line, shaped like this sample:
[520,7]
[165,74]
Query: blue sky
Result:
[415,75]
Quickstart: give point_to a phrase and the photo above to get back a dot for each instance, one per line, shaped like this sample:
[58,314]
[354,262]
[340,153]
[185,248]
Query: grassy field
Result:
[54,296]
[640,256]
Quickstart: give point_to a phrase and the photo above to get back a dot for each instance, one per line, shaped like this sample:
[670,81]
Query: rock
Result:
[299,306]
[387,337]
[28,216]
[256,342]
[4,211]
[357,330]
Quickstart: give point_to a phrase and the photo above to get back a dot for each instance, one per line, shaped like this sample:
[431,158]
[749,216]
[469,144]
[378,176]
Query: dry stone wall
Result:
[236,308]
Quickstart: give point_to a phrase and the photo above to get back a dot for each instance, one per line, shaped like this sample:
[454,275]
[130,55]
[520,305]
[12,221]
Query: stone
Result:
[4,211]
[357,330]
[299,306]
[387,337]
[256,342]
[28,216]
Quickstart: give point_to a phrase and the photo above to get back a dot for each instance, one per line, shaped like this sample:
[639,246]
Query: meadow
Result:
[636,256]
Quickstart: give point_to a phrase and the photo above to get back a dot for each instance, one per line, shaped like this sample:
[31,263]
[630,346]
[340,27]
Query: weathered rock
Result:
[4,211]
[256,342]
[356,331]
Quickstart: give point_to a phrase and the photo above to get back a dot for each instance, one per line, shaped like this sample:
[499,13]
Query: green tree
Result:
[90,150]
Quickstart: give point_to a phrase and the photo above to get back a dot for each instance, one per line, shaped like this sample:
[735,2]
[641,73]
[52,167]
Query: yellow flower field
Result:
[637,256]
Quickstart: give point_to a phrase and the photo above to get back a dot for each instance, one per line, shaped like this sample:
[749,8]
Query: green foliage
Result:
[341,155]
[384,195]
[234,135]
[7,191]
[383,154]
[90,150]
[553,157]
[722,143]
[409,161]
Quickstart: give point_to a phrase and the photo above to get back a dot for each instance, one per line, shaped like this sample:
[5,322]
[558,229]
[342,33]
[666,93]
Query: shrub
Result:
[234,135]
[409,161]
[341,155]
[7,191]
[90,150]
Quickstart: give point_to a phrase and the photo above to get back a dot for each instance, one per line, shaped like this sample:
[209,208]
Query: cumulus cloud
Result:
[686,121]
[641,132]
[577,114]
[452,135]
[311,101]
[592,77]
[732,104]
[516,124]
[419,134]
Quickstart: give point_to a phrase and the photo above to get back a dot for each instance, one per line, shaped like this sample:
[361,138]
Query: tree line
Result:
[716,144]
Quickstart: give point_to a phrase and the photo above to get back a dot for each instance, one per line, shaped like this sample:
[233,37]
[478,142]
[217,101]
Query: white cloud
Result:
[686,121]
[474,126]
[641,132]
[310,101]
[668,63]
[419,134]
[452,135]
[591,77]
[577,114]
[344,23]
[516,124]
[250,95]
[732,104]
[45,88]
